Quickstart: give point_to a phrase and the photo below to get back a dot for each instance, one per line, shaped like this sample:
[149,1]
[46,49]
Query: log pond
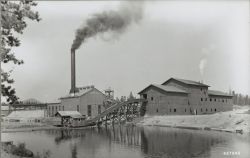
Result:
[133,142]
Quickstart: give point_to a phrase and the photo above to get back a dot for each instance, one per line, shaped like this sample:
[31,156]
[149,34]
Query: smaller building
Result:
[88,101]
[26,116]
[71,118]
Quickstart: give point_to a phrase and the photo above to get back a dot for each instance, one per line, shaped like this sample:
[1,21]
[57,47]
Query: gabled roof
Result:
[170,89]
[218,93]
[82,91]
[188,82]
[73,114]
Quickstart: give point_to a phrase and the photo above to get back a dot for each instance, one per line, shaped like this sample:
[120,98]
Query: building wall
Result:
[53,108]
[160,103]
[94,99]
[197,101]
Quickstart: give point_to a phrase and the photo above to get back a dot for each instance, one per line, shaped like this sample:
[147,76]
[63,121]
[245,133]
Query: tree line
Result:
[240,99]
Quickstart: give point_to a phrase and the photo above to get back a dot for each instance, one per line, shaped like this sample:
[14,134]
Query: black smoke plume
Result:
[115,21]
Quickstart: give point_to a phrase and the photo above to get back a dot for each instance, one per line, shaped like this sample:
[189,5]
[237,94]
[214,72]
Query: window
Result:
[156,110]
[144,96]
[214,99]
[211,110]
[206,110]
[188,102]
[89,110]
[52,112]
[152,98]
[78,108]
[201,109]
[63,108]
[174,110]
[223,100]
[99,109]
[56,108]
[201,89]
[215,110]
[201,99]
[170,110]
[210,99]
[185,110]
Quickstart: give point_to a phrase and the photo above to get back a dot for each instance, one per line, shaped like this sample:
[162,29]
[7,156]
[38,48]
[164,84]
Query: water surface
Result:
[132,142]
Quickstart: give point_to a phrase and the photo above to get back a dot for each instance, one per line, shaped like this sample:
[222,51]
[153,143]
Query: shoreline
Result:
[196,128]
[41,129]
[136,124]
[236,121]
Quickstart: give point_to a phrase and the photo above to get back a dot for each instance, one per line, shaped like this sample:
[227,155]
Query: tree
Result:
[131,96]
[13,16]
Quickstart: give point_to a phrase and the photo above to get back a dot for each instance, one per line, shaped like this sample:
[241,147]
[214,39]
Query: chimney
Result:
[73,89]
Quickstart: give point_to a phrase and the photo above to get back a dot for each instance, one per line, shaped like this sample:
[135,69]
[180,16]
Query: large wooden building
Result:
[88,101]
[184,97]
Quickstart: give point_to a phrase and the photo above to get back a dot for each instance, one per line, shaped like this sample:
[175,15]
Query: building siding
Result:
[196,101]
[94,98]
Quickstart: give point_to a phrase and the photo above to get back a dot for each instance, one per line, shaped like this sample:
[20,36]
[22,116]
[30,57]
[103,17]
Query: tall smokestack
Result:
[73,89]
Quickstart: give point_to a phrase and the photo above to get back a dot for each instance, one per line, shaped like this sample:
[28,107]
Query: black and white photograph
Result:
[125,78]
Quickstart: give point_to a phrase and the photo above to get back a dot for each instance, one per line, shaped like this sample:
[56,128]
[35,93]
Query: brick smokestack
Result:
[73,89]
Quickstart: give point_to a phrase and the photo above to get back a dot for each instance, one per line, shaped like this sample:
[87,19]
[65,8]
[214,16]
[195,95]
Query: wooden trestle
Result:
[119,112]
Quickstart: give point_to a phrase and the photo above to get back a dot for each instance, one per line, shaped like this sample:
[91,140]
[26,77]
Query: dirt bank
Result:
[231,121]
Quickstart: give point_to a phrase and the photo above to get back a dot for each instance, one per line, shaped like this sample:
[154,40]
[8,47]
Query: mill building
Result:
[184,97]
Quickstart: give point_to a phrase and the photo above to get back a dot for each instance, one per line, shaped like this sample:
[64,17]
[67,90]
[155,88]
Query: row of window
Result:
[204,99]
[211,99]
[59,108]
[190,110]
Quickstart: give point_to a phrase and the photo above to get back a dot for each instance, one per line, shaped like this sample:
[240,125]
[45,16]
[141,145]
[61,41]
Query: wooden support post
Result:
[119,116]
[62,121]
[106,122]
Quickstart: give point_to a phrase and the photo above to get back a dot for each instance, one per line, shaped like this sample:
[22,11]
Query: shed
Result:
[71,118]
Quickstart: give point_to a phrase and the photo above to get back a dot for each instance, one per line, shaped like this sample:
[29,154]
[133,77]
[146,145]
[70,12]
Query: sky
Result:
[198,40]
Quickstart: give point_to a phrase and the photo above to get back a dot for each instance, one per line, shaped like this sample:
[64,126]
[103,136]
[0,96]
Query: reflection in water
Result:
[176,143]
[137,142]
[74,151]
[64,135]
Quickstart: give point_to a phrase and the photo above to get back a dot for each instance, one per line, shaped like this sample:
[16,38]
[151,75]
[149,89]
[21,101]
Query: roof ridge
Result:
[186,81]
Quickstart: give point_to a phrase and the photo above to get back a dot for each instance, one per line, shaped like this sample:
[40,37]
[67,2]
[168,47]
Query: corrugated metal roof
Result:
[73,114]
[218,93]
[165,88]
[189,82]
